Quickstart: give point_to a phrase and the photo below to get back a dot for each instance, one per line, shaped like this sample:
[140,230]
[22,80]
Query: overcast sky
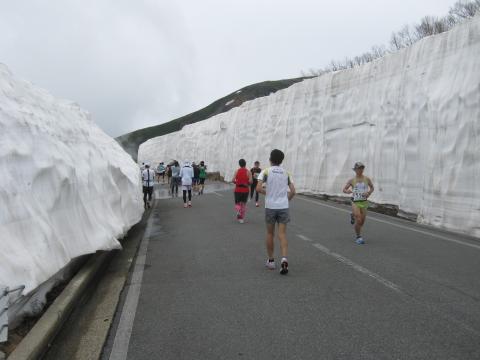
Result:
[138,63]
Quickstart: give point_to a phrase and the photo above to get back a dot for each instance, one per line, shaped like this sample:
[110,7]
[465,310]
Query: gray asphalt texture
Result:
[207,295]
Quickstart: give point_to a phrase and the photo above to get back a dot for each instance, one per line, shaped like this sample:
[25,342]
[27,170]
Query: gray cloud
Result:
[139,63]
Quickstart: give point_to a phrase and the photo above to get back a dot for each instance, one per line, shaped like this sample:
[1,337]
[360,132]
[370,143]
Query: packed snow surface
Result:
[412,117]
[66,188]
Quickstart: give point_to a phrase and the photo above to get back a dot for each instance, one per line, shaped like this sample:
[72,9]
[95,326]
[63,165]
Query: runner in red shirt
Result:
[242,180]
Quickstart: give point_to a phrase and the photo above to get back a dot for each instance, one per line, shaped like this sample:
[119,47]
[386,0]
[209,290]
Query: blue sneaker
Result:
[360,241]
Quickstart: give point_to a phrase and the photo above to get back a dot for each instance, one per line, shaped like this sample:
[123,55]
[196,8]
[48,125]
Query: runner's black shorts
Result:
[240,197]
[202,181]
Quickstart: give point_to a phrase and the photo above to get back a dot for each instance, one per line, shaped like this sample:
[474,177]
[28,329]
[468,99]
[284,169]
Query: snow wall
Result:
[412,117]
[66,188]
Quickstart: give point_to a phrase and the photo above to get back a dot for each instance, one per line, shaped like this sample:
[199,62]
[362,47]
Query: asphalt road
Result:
[202,291]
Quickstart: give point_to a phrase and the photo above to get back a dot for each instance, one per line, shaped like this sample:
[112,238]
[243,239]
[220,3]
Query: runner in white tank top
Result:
[278,191]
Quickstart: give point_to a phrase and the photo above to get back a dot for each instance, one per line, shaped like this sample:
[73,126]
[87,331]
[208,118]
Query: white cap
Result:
[358,165]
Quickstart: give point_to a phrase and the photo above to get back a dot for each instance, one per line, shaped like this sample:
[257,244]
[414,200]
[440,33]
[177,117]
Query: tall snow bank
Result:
[413,117]
[66,188]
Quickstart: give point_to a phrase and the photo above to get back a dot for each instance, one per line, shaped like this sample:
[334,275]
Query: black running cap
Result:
[358,165]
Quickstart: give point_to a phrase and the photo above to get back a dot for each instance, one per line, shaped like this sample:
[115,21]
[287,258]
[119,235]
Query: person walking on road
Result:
[253,189]
[148,178]
[175,168]
[202,176]
[186,174]
[169,173]
[278,191]
[196,174]
[360,187]
[242,180]
[161,172]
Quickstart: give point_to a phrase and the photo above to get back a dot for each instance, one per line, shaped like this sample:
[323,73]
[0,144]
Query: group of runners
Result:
[275,183]
[190,177]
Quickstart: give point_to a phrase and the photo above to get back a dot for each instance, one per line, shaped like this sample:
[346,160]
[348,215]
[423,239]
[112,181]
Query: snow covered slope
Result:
[413,117]
[66,188]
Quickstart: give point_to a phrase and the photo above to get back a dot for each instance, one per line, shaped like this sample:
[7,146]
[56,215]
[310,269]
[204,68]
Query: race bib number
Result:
[359,195]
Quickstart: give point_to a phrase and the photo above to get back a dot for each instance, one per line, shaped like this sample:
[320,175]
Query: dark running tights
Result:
[147,192]
[253,190]
[185,195]
[174,186]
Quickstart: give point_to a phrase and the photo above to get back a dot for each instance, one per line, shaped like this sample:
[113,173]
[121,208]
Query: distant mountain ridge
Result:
[131,141]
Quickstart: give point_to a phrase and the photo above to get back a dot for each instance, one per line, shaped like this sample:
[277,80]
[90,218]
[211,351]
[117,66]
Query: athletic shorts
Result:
[202,181]
[273,216]
[195,181]
[240,197]
[186,187]
[361,204]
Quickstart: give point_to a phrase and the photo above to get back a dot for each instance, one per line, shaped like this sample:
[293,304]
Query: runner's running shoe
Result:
[241,221]
[257,205]
[284,267]
[270,265]
[185,205]
[360,240]
[189,204]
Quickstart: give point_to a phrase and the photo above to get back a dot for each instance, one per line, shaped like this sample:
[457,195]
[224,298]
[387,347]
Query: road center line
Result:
[354,265]
[441,237]
[125,325]
[303,237]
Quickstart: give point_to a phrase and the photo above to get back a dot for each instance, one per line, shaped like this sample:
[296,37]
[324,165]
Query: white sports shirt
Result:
[277,181]
[186,173]
[148,177]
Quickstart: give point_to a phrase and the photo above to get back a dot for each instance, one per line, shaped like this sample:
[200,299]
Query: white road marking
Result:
[303,237]
[359,268]
[354,265]
[441,237]
[218,194]
[125,325]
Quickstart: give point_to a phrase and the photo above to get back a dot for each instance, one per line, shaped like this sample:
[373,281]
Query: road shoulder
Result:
[86,331]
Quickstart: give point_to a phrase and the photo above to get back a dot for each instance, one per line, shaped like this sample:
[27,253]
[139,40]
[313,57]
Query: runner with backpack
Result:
[148,179]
